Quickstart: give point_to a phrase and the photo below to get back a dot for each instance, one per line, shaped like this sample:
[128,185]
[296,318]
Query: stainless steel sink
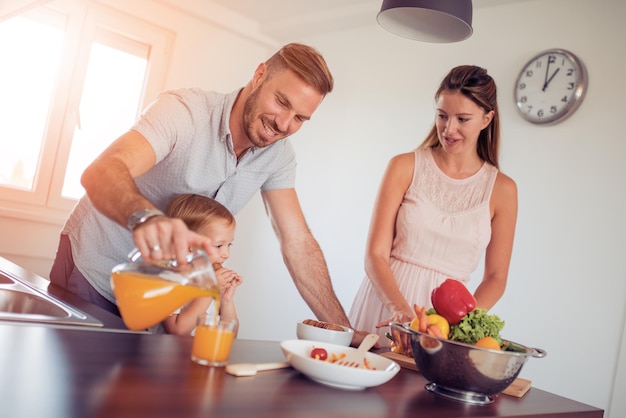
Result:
[17,302]
[5,280]
[22,302]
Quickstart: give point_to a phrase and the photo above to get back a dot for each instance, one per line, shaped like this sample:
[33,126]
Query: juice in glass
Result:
[145,300]
[213,340]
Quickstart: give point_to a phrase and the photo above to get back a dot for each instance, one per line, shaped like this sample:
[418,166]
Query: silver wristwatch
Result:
[141,216]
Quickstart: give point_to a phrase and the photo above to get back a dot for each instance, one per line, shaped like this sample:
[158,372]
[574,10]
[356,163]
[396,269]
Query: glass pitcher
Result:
[148,292]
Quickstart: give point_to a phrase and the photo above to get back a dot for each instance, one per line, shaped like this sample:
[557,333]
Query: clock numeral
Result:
[571,86]
[523,99]
[540,113]
[521,86]
[551,59]
[570,71]
[529,73]
[564,99]
[553,109]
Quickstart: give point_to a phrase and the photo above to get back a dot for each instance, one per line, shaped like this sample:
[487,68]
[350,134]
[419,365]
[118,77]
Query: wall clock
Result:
[550,86]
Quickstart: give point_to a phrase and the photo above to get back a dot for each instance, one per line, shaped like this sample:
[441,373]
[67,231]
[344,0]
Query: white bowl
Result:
[313,333]
[298,354]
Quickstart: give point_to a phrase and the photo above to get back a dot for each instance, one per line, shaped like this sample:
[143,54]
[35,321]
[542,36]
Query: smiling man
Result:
[225,146]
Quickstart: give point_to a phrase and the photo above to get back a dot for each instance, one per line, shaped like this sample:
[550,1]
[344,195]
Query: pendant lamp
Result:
[438,21]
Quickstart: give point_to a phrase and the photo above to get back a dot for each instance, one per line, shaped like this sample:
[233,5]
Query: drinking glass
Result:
[213,340]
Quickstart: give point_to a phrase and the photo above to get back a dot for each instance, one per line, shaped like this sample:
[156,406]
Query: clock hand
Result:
[545,80]
[550,79]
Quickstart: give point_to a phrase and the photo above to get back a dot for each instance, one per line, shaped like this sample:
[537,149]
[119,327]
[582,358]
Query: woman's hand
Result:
[398,316]
[402,340]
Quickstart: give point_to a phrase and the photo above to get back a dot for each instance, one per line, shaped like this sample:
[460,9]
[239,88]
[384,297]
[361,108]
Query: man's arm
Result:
[109,179]
[303,257]
[110,185]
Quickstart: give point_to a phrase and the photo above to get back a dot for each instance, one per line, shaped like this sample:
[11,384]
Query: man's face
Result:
[278,106]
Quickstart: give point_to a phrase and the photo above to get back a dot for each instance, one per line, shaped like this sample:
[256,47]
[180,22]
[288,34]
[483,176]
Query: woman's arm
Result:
[500,248]
[395,182]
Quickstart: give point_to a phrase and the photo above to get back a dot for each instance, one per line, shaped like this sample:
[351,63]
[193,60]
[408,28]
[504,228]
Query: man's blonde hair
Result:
[306,62]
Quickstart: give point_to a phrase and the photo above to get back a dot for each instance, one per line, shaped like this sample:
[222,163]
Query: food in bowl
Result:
[300,354]
[463,371]
[313,330]
[322,324]
[454,316]
[478,327]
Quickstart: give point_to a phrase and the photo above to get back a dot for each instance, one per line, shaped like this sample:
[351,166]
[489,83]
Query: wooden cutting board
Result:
[404,361]
[517,388]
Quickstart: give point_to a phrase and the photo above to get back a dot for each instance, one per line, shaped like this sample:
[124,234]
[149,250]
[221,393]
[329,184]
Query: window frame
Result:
[85,20]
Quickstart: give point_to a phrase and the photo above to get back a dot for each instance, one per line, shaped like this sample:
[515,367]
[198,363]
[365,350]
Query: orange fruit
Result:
[488,342]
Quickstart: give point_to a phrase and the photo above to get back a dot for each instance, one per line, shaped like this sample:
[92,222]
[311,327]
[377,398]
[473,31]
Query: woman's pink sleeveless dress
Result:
[442,230]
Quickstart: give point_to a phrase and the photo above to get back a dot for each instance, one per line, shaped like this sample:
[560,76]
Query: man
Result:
[225,146]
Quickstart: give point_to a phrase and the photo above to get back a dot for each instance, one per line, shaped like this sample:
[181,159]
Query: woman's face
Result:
[459,121]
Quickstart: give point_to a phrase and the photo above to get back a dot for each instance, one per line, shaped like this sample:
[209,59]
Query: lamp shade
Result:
[438,21]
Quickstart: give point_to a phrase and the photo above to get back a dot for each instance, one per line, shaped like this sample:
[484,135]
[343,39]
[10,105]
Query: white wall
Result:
[567,290]
[567,282]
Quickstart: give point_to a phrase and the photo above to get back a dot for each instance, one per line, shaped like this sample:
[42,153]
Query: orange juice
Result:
[145,300]
[212,343]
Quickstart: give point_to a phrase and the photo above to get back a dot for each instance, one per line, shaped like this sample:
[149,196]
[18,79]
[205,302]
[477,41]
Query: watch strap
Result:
[141,216]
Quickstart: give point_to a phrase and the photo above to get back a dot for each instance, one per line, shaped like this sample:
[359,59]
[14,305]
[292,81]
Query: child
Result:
[207,217]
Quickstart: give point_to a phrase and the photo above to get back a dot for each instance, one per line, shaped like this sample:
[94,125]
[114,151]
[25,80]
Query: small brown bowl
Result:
[313,333]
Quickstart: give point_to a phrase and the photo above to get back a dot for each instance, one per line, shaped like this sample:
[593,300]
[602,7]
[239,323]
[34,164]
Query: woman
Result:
[439,209]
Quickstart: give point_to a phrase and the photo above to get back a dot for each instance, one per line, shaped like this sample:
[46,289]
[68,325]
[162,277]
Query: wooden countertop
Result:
[66,373]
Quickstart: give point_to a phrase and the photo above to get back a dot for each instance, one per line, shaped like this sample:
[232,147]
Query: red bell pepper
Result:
[452,300]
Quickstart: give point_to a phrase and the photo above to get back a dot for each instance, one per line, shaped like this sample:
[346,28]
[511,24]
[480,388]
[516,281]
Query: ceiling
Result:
[285,20]
[266,11]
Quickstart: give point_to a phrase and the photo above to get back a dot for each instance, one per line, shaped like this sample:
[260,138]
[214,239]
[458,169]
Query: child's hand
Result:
[228,292]
[236,281]
[226,277]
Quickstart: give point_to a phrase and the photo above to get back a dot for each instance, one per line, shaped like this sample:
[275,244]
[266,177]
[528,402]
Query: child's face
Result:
[222,234]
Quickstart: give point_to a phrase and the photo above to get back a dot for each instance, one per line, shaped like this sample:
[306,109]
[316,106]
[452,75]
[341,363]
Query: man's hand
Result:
[163,238]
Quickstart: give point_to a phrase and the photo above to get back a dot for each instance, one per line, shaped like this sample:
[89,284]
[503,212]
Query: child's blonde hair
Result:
[197,210]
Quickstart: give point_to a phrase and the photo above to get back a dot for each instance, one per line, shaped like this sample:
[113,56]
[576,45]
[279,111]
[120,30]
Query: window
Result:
[109,102]
[27,86]
[79,75]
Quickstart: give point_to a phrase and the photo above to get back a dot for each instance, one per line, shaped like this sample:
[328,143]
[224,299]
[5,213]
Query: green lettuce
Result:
[476,325]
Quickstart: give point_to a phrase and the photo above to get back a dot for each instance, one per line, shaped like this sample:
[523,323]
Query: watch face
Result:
[550,87]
